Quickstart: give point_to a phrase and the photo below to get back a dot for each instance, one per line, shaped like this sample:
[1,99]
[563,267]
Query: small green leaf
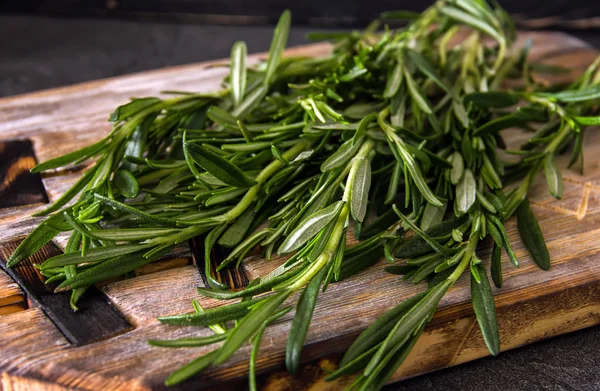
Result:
[134,211]
[381,223]
[591,121]
[250,324]
[483,201]
[253,357]
[309,227]
[553,177]
[379,329]
[485,310]
[416,93]
[492,99]
[361,110]
[391,364]
[416,175]
[394,80]
[466,148]
[417,245]
[131,234]
[37,239]
[252,99]
[361,130]
[402,269]
[280,37]
[432,215]
[426,269]
[188,342]
[496,265]
[585,94]
[535,113]
[353,74]
[359,195]
[209,243]
[506,242]
[277,155]
[93,255]
[113,267]
[577,153]
[458,168]
[301,322]
[532,236]
[461,113]
[263,286]
[353,365]
[78,155]
[138,142]
[430,241]
[126,183]
[220,116]
[473,21]
[466,192]
[237,73]
[190,369]
[69,194]
[212,315]
[392,191]
[102,171]
[409,322]
[345,152]
[425,66]
[130,109]
[224,195]
[457,235]
[507,121]
[221,168]
[237,231]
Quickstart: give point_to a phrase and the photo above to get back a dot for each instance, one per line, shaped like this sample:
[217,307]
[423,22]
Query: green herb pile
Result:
[396,136]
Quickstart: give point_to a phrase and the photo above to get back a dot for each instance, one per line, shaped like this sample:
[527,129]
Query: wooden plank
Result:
[96,319]
[172,292]
[25,337]
[532,305]
[10,293]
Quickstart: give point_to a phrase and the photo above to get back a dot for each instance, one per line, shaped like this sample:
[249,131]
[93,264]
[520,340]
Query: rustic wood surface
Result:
[532,305]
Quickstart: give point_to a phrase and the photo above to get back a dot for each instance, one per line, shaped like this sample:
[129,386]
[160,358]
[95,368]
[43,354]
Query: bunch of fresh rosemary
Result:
[394,132]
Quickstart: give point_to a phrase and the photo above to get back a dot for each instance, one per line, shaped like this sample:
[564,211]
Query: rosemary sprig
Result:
[393,132]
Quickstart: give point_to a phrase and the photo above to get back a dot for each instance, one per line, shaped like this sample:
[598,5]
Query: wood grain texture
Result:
[10,293]
[96,319]
[532,305]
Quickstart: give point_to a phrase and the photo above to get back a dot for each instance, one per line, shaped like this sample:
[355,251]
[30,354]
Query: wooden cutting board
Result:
[42,343]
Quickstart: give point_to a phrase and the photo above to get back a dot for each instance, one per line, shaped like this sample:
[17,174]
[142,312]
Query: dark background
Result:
[52,43]
[331,12]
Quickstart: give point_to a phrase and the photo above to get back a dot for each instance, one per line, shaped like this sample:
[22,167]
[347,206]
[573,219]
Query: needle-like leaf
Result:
[221,168]
[485,310]
[237,74]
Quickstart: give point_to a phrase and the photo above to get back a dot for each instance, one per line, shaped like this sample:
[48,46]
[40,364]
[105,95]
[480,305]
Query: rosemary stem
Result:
[558,139]
[265,174]
[338,231]
[324,258]
[466,258]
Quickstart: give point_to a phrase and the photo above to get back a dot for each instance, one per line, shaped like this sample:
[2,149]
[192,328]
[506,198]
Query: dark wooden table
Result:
[42,52]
